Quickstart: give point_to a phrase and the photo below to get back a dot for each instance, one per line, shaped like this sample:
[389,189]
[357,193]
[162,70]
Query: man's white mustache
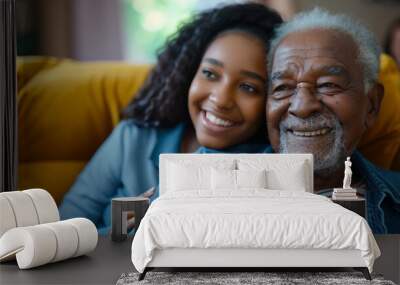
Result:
[315,122]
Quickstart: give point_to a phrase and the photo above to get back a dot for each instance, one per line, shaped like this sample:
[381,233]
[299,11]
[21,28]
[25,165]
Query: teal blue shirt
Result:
[125,165]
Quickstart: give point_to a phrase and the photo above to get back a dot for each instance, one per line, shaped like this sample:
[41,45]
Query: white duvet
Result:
[254,218]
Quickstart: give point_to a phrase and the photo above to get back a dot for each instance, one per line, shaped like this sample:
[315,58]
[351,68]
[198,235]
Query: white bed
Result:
[199,226]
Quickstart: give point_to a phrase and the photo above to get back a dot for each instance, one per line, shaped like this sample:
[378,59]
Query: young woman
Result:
[207,90]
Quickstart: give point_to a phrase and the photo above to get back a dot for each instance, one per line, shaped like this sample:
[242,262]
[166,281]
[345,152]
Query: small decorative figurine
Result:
[345,193]
[347,174]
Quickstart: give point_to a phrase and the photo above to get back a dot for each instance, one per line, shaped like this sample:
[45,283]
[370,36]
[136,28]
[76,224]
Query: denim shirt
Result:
[382,194]
[126,164]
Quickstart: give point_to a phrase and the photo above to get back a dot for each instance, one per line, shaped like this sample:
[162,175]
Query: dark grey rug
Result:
[231,278]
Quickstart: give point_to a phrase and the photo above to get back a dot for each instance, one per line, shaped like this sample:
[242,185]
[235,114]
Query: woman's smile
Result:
[215,123]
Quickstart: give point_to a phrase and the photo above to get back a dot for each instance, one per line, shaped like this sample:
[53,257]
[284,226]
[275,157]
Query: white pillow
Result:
[290,180]
[183,178]
[193,175]
[251,178]
[236,179]
[281,174]
[223,179]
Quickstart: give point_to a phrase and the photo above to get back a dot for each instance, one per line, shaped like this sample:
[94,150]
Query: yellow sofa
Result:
[67,108]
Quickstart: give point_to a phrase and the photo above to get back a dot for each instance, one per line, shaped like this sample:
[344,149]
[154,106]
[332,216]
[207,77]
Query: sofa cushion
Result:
[65,111]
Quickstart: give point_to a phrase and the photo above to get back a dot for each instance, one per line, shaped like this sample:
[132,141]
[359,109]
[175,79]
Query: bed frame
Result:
[242,259]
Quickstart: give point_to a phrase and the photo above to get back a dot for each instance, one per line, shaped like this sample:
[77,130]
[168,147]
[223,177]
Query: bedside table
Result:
[120,207]
[357,205]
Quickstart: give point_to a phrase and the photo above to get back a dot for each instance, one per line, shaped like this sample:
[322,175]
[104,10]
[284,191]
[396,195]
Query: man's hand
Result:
[149,193]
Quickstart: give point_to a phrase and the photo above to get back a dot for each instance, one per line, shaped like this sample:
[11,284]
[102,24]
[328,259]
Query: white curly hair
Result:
[317,18]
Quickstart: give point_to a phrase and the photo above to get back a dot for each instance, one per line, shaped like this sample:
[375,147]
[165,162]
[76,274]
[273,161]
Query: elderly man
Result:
[323,95]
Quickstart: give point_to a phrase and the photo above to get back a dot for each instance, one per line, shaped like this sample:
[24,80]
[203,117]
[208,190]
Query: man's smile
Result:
[310,133]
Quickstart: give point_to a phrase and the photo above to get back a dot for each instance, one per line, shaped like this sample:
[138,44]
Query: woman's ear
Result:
[375,96]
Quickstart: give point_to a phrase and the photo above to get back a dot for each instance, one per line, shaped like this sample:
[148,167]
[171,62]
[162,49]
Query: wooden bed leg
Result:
[143,274]
[364,271]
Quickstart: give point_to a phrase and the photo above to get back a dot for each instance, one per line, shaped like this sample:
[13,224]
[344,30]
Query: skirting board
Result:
[176,257]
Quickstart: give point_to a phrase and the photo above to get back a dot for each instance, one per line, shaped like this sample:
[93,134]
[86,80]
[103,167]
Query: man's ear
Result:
[375,96]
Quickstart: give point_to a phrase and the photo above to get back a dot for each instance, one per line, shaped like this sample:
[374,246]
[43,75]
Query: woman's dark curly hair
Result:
[162,100]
